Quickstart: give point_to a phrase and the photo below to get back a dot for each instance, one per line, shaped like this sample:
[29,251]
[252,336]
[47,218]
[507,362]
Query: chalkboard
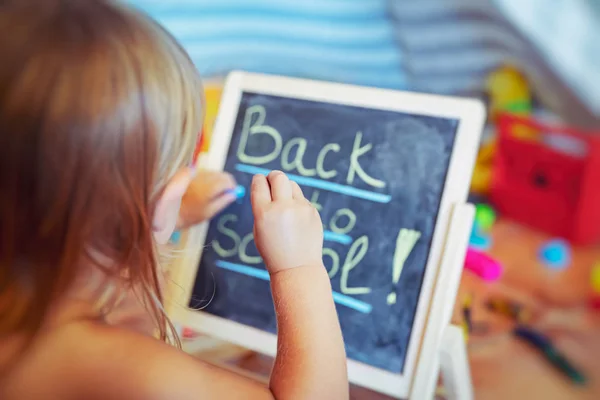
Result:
[375,176]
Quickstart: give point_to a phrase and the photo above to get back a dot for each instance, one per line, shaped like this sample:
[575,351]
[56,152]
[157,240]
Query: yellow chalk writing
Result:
[335,261]
[333,224]
[256,128]
[355,167]
[355,254]
[321,161]
[244,257]
[231,234]
[314,200]
[296,163]
[405,242]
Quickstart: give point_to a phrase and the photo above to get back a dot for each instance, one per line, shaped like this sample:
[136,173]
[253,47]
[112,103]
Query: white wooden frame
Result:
[471,116]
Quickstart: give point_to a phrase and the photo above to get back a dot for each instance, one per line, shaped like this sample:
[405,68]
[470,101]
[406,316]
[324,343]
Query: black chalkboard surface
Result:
[375,176]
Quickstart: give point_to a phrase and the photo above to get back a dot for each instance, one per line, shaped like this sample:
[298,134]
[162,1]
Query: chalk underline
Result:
[337,237]
[262,274]
[321,184]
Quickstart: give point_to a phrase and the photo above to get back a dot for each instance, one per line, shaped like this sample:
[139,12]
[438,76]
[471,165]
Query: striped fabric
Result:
[450,46]
[348,41]
[439,46]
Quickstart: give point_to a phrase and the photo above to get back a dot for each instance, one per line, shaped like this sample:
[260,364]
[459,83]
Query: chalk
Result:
[467,321]
[509,309]
[480,241]
[485,217]
[555,254]
[175,237]
[483,265]
[239,191]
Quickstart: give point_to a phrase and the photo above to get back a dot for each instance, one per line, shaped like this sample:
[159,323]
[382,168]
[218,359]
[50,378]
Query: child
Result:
[99,114]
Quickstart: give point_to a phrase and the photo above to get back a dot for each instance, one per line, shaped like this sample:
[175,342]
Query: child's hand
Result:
[288,231]
[205,197]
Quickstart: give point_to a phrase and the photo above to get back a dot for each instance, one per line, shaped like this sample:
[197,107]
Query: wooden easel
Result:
[443,347]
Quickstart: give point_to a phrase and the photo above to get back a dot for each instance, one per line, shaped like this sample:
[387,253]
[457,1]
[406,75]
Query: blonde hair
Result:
[99,107]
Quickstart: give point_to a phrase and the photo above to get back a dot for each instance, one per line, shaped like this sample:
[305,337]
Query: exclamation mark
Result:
[406,241]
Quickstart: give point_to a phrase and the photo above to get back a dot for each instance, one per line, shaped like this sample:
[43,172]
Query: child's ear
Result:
[167,208]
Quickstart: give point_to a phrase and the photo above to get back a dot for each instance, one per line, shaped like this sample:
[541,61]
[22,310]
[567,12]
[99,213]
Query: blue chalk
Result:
[239,192]
[175,237]
[480,241]
[556,254]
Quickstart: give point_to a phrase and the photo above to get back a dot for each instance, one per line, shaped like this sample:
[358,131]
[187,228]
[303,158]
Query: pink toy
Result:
[483,265]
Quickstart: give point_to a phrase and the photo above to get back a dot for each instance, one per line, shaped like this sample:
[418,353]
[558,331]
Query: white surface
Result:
[471,114]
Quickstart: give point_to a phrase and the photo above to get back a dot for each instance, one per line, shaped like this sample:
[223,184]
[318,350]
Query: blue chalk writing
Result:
[321,184]
[337,237]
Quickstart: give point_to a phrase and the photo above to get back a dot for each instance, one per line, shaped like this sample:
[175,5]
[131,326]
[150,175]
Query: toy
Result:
[482,174]
[547,349]
[480,241]
[483,265]
[485,216]
[514,311]
[556,254]
[547,188]
[595,281]
[508,91]
[467,321]
[595,278]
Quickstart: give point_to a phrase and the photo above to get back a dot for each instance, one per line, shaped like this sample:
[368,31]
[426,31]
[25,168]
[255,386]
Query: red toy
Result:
[545,188]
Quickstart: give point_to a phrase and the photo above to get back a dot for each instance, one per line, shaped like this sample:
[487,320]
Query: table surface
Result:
[503,367]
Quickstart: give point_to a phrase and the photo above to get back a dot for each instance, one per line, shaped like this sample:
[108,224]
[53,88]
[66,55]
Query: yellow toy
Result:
[507,91]
[482,174]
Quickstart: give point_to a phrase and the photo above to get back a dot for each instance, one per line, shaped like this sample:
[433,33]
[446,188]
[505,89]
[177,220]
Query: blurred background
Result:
[536,64]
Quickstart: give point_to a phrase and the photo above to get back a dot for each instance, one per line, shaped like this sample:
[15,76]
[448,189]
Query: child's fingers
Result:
[260,194]
[297,192]
[217,205]
[281,189]
[224,181]
[216,182]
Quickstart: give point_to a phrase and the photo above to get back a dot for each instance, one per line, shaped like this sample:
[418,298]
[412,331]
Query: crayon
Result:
[467,312]
[483,265]
[512,310]
[467,321]
[545,346]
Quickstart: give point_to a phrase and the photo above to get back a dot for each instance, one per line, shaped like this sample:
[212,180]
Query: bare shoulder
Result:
[115,363]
